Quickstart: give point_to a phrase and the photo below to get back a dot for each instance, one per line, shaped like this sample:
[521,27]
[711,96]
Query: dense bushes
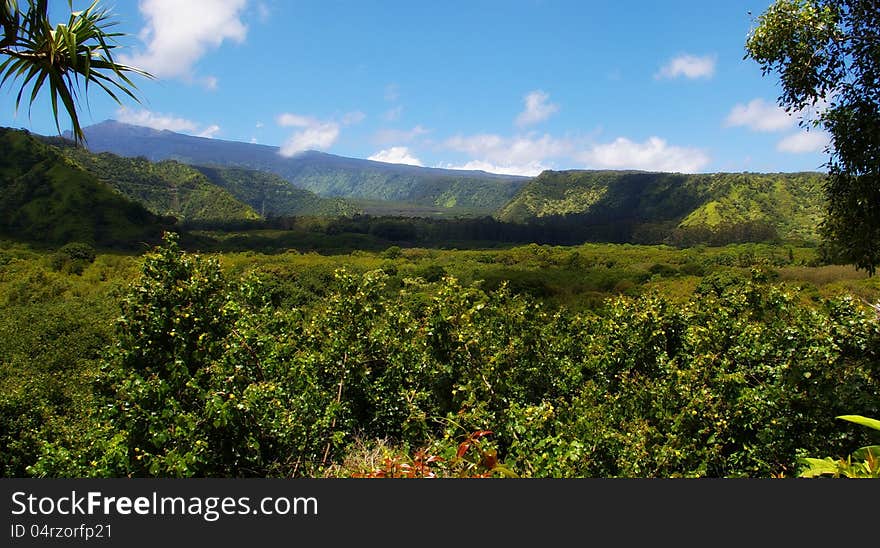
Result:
[209,378]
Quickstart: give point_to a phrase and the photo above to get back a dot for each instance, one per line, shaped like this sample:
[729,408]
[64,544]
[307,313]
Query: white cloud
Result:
[177,34]
[318,137]
[519,155]
[210,131]
[388,136]
[529,170]
[804,142]
[295,120]
[476,144]
[530,155]
[759,115]
[538,108]
[510,151]
[158,121]
[396,155]
[689,66]
[314,134]
[652,155]
[155,120]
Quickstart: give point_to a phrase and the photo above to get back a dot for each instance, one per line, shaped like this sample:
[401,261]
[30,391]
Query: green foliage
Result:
[209,376]
[73,257]
[67,57]
[718,208]
[169,188]
[867,459]
[48,200]
[170,396]
[272,196]
[395,184]
[276,365]
[54,327]
[826,55]
[409,187]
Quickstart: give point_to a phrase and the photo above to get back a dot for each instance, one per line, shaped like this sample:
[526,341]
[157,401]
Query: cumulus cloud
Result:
[313,134]
[160,122]
[759,115]
[388,136]
[317,137]
[178,34]
[689,66]
[655,154]
[528,170]
[519,155]
[804,142]
[396,155]
[295,120]
[537,109]
[519,150]
[210,131]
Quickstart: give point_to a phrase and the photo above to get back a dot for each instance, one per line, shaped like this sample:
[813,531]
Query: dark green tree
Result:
[828,52]
[68,57]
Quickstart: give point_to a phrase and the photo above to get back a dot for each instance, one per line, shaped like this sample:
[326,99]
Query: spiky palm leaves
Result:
[68,57]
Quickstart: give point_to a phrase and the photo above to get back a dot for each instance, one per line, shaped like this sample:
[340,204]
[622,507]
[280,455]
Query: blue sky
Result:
[514,86]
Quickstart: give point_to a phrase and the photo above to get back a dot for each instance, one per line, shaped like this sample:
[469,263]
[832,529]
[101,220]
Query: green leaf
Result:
[864,421]
[872,451]
[820,467]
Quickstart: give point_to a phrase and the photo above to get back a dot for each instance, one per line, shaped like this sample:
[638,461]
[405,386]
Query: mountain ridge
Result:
[148,132]
[325,174]
[633,204]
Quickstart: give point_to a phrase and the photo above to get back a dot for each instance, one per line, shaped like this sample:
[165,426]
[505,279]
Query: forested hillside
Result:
[272,196]
[672,207]
[167,188]
[46,198]
[324,174]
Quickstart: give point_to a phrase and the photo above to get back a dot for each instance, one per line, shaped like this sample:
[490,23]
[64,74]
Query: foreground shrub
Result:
[863,463]
[209,378]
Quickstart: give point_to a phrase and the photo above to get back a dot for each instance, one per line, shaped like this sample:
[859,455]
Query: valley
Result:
[223,311]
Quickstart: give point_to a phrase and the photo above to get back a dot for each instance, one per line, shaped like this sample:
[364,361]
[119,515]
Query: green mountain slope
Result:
[335,176]
[44,197]
[166,188]
[272,196]
[632,205]
[793,203]
[327,175]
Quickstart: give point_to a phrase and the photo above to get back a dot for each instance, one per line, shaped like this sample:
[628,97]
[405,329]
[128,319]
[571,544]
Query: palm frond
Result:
[69,57]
